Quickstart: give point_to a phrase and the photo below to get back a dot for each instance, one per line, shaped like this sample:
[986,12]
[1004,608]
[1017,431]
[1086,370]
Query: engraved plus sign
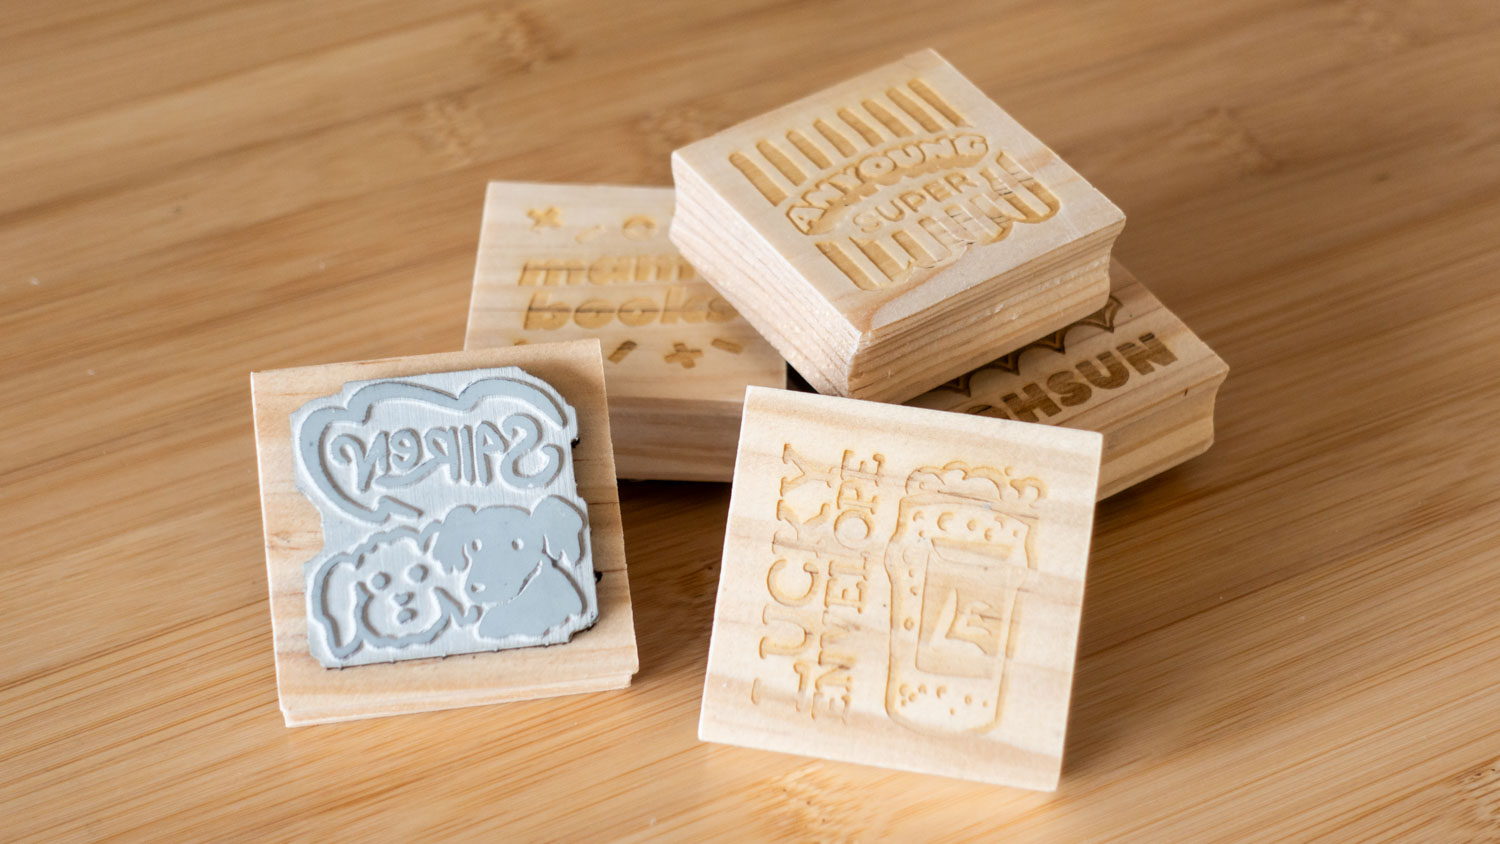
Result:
[683,355]
[545,218]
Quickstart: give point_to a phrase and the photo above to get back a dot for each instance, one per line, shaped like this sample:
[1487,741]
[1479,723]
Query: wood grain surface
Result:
[1293,636]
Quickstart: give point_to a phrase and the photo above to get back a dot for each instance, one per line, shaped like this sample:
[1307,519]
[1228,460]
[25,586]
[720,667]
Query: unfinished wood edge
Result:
[1097,292]
[1198,438]
[490,189]
[1039,277]
[706,206]
[1187,422]
[1079,253]
[770,329]
[1197,435]
[709,731]
[265,521]
[314,716]
[675,439]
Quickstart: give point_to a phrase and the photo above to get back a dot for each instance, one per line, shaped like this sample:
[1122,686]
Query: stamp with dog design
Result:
[442,531]
[451,517]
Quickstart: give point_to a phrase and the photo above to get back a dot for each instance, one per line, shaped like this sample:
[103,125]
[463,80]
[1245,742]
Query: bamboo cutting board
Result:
[1293,636]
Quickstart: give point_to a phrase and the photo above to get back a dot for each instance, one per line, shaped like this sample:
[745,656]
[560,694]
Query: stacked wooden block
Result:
[905,557]
[902,586]
[893,231]
[1131,371]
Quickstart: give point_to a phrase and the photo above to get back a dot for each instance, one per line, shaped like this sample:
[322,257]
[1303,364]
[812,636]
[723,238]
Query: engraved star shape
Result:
[545,218]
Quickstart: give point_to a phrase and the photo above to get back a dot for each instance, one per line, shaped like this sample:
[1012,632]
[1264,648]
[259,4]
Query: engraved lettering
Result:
[1036,399]
[680,303]
[1071,393]
[895,184]
[1117,376]
[820,536]
[1150,351]
[781,595]
[543,316]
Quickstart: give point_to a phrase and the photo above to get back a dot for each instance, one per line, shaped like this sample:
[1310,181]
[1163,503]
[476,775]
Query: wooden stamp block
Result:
[1131,371]
[562,262]
[894,231]
[431,527]
[901,587]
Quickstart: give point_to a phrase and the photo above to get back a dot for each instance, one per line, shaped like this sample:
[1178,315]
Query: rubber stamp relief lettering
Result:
[452,521]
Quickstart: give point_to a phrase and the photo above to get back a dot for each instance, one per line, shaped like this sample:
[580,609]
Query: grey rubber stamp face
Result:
[452,521]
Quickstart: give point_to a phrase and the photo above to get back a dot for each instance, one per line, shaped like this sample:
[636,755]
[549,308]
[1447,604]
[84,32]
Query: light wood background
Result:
[1293,636]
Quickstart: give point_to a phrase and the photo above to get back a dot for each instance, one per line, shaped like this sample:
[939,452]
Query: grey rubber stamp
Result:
[452,521]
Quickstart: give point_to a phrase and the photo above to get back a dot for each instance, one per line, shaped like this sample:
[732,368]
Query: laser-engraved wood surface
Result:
[893,231]
[1131,371]
[901,587]
[559,262]
[1291,636]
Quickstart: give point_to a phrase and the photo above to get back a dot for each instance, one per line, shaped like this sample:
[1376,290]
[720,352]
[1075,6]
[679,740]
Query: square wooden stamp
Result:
[893,231]
[441,531]
[1131,371]
[901,587]
[562,262]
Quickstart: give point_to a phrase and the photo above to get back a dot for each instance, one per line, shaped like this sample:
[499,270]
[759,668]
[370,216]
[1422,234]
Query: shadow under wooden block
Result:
[602,656]
[893,231]
[1131,371]
[560,262]
[901,587]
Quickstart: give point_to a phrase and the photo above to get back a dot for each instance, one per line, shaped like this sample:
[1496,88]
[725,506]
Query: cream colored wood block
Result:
[893,231]
[1131,371]
[901,587]
[561,262]
[600,657]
